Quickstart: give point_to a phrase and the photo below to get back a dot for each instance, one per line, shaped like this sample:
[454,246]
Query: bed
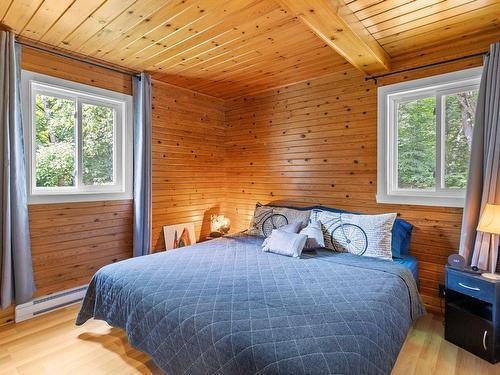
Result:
[225,307]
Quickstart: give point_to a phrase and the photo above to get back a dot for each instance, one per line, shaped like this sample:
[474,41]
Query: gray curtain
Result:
[484,168]
[142,164]
[16,271]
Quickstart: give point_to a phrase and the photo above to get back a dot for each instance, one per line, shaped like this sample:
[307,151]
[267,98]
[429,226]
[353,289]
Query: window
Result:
[424,139]
[77,139]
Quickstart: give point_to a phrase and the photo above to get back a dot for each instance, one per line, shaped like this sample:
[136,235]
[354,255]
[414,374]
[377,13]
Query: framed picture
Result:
[179,235]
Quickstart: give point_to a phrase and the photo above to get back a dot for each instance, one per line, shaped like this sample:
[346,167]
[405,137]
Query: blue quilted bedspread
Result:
[225,307]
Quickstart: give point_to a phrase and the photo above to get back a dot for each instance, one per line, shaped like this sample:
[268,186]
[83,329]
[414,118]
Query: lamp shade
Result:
[219,224]
[490,219]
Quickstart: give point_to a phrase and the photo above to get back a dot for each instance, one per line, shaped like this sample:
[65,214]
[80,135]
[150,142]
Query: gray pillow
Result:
[284,243]
[314,233]
[267,218]
[367,235]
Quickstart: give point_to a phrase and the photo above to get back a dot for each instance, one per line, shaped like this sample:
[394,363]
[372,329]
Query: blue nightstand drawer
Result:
[471,285]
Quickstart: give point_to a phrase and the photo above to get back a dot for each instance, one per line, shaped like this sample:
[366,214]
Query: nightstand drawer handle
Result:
[484,340]
[469,287]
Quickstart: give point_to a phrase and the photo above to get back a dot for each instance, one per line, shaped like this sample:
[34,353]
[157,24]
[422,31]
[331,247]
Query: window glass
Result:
[416,149]
[98,140]
[459,112]
[55,141]
[424,138]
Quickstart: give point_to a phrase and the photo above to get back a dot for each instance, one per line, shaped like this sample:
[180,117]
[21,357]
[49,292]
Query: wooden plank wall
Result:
[188,155]
[7,315]
[70,241]
[315,142]
[73,70]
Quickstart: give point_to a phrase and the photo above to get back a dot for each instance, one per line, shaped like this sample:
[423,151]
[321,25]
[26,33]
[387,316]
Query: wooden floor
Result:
[52,344]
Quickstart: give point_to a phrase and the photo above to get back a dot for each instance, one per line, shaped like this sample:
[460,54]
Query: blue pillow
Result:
[401,237]
[401,230]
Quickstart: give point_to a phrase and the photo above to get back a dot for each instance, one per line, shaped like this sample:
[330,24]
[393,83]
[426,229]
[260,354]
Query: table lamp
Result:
[489,222]
[219,225]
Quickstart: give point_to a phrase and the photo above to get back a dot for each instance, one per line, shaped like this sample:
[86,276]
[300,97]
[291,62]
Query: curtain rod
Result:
[426,66]
[80,59]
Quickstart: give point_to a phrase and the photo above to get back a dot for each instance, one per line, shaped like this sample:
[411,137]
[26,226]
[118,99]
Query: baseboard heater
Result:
[46,304]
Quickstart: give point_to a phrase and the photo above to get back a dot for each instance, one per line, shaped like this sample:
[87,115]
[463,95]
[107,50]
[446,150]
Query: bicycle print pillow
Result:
[267,218]
[366,235]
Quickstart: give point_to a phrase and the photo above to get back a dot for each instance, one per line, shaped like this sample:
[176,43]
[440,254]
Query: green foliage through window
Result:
[416,143]
[416,131]
[56,142]
[460,109]
[97,127]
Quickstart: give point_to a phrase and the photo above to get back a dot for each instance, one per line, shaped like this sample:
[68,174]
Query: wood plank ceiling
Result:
[401,26]
[236,47]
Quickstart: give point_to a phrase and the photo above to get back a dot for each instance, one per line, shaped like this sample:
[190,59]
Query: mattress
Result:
[224,307]
[411,263]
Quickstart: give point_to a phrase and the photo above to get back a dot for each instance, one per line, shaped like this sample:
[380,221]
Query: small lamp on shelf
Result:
[489,222]
[219,225]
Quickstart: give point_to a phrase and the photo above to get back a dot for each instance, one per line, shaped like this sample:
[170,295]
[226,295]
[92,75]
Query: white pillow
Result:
[292,227]
[314,235]
[367,235]
[284,243]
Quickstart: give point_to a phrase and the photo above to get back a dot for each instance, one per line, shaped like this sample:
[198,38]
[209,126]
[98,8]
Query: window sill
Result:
[421,200]
[74,198]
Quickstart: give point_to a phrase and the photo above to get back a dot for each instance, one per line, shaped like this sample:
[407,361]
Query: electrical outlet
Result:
[442,291]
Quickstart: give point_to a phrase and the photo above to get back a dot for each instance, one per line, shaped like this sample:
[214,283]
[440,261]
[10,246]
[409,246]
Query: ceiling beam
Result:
[338,26]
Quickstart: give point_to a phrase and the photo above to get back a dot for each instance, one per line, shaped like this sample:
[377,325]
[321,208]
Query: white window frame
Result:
[387,166]
[35,83]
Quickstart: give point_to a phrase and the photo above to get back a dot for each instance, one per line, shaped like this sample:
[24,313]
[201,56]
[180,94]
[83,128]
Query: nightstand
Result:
[472,315]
